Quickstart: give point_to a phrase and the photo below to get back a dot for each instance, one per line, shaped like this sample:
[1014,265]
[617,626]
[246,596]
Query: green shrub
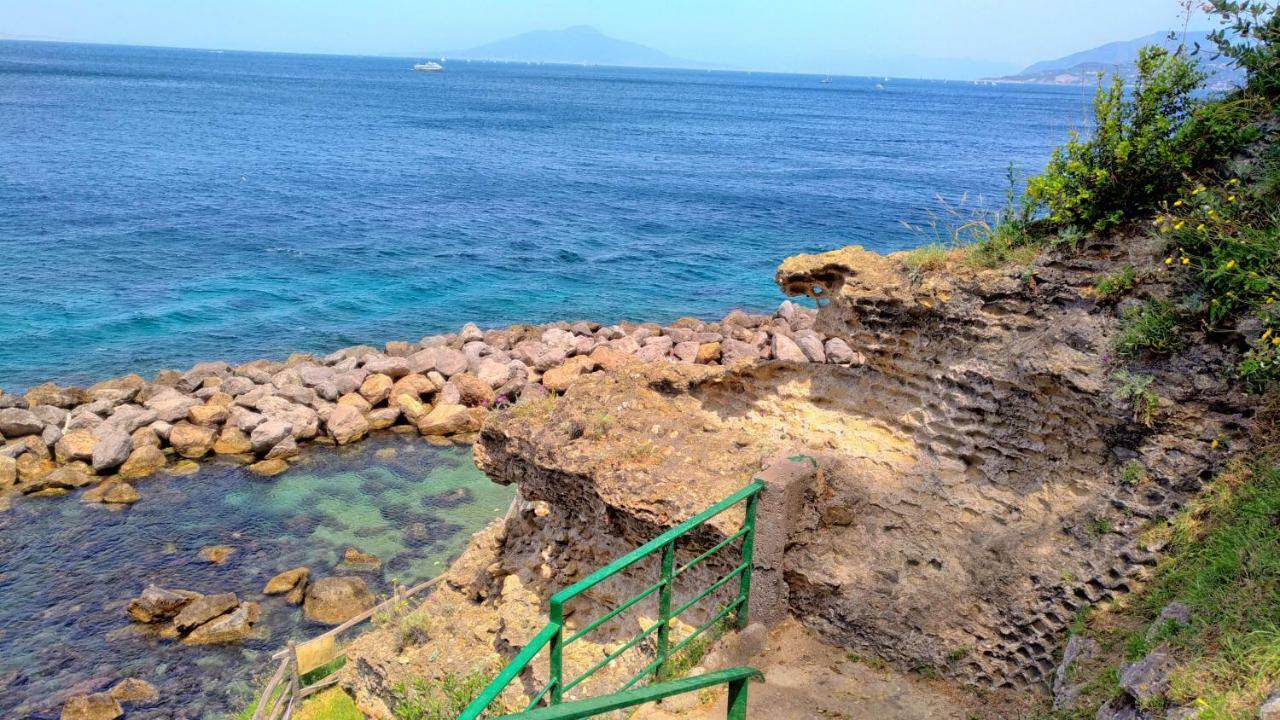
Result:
[441,700]
[1135,390]
[1132,472]
[927,257]
[1154,327]
[1138,150]
[1113,284]
[1250,36]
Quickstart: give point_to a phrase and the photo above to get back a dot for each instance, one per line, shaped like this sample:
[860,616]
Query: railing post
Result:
[748,558]
[557,653]
[737,700]
[664,609]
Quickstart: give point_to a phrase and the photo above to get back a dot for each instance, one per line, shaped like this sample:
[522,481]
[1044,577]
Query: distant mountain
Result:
[1121,57]
[579,44]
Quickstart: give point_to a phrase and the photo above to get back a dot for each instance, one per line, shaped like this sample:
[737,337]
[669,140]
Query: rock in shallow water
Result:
[286,581]
[334,600]
[232,627]
[157,604]
[203,609]
[98,706]
[134,691]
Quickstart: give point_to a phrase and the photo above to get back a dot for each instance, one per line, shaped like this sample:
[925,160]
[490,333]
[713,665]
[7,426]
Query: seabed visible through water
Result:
[68,569]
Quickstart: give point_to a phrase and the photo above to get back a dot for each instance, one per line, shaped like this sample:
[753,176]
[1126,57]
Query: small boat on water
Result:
[429,66]
[826,80]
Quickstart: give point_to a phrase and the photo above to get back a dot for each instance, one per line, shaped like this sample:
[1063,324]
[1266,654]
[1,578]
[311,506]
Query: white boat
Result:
[429,66]
[826,80]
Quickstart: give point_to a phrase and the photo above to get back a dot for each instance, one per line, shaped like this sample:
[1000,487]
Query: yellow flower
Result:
[1231,264]
[1266,334]
[1178,225]
[1186,260]
[1177,203]
[1198,190]
[1201,227]
[1214,445]
[1275,341]
[1233,181]
[1231,198]
[1168,261]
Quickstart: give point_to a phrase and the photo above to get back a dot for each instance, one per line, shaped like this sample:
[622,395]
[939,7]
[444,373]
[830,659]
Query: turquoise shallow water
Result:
[67,570]
[161,207]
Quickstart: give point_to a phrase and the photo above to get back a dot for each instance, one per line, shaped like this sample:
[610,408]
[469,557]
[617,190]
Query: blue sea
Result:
[161,206]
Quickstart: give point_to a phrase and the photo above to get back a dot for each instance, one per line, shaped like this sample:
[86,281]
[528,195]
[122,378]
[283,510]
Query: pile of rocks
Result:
[56,439]
[194,618]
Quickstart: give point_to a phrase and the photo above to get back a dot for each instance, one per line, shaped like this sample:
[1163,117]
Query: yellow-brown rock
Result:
[191,441]
[208,414]
[145,460]
[75,445]
[376,388]
[231,441]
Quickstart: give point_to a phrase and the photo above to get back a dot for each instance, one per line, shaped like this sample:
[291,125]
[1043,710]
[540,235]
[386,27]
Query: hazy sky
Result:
[849,36]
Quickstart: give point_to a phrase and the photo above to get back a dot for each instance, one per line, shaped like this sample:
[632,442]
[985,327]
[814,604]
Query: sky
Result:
[936,38]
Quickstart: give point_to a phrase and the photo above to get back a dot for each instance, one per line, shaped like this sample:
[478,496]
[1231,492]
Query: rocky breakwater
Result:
[54,440]
[976,450]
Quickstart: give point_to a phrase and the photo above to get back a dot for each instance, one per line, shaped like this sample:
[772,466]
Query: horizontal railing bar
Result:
[680,645]
[579,709]
[720,545]
[513,668]
[611,657]
[655,544]
[615,612]
[714,587]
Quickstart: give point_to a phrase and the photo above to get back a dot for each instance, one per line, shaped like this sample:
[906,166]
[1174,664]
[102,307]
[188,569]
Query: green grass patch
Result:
[1111,285]
[444,699]
[927,257]
[1154,327]
[329,704]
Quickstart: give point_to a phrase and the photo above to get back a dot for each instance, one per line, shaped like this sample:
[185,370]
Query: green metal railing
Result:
[552,637]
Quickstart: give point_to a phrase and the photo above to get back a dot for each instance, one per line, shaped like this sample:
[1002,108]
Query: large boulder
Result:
[287,580]
[157,604]
[112,447]
[145,460]
[346,424]
[74,446]
[267,434]
[192,441]
[111,492]
[170,405]
[559,379]
[450,419]
[134,691]
[335,600]
[15,422]
[200,372]
[208,414]
[232,441]
[232,627]
[376,388]
[472,390]
[8,472]
[50,394]
[786,350]
[203,609]
[392,367]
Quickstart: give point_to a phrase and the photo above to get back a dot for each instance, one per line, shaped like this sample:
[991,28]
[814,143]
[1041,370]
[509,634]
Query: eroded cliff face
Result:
[980,478]
[971,498]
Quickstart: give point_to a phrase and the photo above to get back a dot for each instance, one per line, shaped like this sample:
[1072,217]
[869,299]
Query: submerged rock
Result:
[203,609]
[157,604]
[216,554]
[269,468]
[98,706]
[334,600]
[134,691]
[112,492]
[286,581]
[232,627]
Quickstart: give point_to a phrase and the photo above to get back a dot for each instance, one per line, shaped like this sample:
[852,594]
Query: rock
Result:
[208,414]
[708,353]
[1175,613]
[493,373]
[1270,709]
[334,600]
[170,405]
[114,443]
[449,419]
[376,388]
[118,390]
[191,441]
[98,706]
[686,351]
[415,385]
[131,417]
[60,397]
[15,422]
[470,332]
[112,492]
[1148,678]
[608,358]
[304,421]
[398,348]
[268,434]
[384,417]
[134,691]
[269,468]
[244,419]
[232,441]
[157,604]
[391,367]
[8,472]
[75,445]
[286,448]
[734,352]
[838,351]
[811,345]
[200,372]
[237,385]
[67,477]
[1121,709]
[472,390]
[353,559]
[559,379]
[1079,649]
[232,627]
[142,462]
[357,401]
[203,609]
[50,415]
[413,408]
[450,362]
[286,581]
[216,554]
[786,350]
[346,424]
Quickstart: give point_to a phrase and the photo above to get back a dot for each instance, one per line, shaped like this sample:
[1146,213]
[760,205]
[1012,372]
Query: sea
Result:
[159,207]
